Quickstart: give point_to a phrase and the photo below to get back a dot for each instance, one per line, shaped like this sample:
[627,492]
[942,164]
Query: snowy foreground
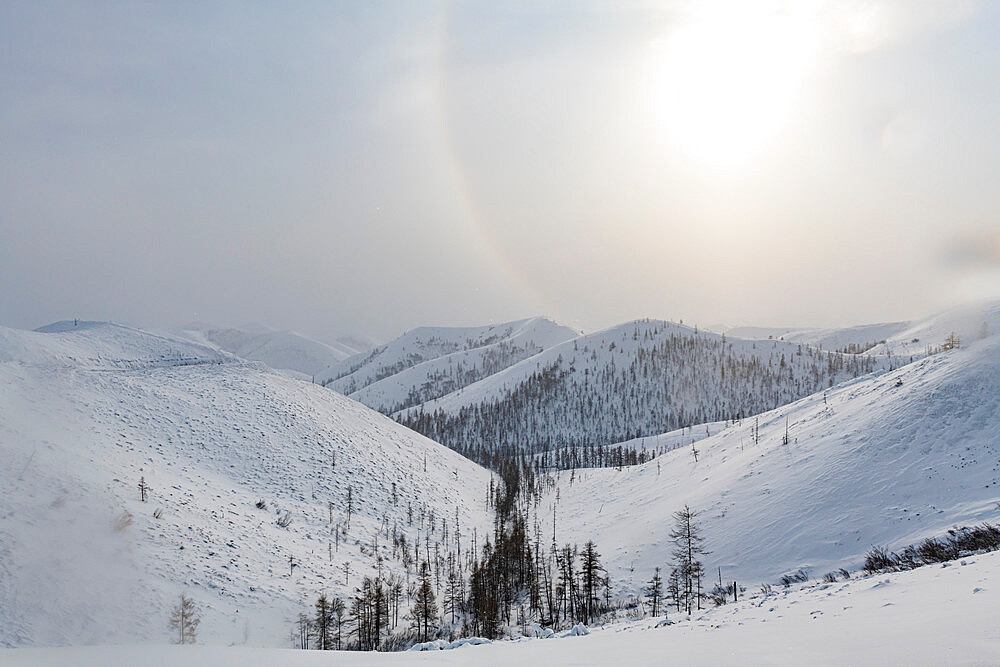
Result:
[930,616]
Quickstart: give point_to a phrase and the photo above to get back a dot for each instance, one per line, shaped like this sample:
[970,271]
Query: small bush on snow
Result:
[878,560]
[122,521]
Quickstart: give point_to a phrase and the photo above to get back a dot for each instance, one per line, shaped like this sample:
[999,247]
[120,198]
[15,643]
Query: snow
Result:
[284,350]
[681,437]
[100,345]
[827,339]
[427,358]
[868,462]
[88,410]
[928,616]
[631,380]
[970,322]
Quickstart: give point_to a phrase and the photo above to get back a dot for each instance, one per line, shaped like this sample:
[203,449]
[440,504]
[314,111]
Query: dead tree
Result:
[184,619]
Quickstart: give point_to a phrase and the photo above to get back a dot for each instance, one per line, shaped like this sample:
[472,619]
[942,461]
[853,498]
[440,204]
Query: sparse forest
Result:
[641,380]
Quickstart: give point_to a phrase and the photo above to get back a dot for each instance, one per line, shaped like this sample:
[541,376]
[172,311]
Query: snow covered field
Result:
[934,615]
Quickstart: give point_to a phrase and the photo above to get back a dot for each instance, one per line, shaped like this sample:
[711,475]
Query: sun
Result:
[729,78]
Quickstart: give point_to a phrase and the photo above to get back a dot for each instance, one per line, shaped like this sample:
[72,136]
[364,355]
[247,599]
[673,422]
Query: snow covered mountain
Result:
[970,321]
[429,362]
[89,410]
[635,379]
[857,339]
[886,459]
[967,323]
[284,350]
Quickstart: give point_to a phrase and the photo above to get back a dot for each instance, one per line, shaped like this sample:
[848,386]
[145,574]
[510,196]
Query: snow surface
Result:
[424,359]
[826,339]
[87,410]
[970,322]
[284,350]
[681,437]
[929,616]
[868,462]
[93,345]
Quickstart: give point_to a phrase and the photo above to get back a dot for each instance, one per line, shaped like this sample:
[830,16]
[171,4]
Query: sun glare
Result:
[728,81]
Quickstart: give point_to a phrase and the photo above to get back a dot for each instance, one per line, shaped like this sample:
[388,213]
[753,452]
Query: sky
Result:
[365,168]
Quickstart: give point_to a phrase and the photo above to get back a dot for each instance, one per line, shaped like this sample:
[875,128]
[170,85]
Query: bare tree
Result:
[323,624]
[654,591]
[687,540]
[184,619]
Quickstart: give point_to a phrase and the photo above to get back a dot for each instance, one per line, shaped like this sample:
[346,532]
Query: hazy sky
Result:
[371,167]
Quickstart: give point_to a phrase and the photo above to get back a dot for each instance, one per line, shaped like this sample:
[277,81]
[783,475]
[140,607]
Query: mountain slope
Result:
[101,345]
[884,459]
[429,362]
[88,411]
[848,339]
[968,322]
[284,350]
[639,378]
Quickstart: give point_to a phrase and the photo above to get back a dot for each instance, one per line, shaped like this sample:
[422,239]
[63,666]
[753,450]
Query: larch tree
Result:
[324,624]
[687,539]
[654,591]
[425,613]
[184,620]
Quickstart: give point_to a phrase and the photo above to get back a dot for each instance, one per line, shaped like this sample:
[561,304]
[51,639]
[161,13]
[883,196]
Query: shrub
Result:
[879,559]
[285,520]
[936,551]
[978,538]
[719,596]
[122,521]
[907,559]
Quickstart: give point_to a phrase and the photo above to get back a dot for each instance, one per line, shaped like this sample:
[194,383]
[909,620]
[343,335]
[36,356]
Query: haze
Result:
[367,169]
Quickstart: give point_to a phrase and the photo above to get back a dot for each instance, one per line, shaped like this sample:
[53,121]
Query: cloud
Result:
[862,25]
[972,249]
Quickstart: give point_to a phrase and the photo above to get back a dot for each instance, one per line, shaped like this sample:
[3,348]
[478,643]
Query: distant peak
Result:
[72,325]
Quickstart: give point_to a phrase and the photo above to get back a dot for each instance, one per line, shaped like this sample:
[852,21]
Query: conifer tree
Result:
[687,540]
[323,624]
[425,613]
[654,592]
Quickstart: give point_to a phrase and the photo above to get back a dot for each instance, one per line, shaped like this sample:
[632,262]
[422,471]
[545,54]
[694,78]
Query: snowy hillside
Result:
[635,379]
[681,437]
[848,339]
[969,323]
[87,411]
[284,350]
[429,362]
[882,460]
[100,345]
